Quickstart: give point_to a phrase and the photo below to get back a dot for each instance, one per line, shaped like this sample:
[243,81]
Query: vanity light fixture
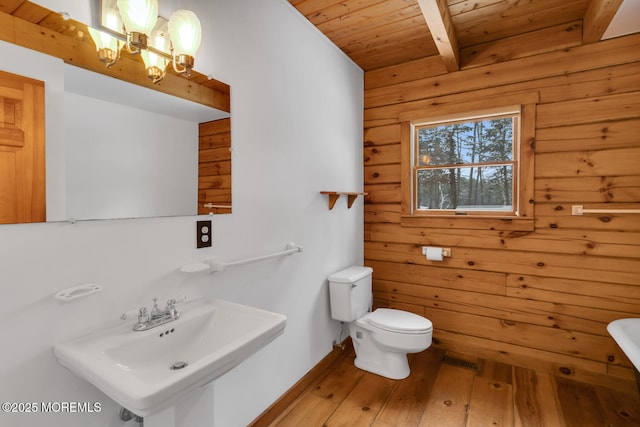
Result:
[107,46]
[134,25]
[154,62]
[186,34]
[139,18]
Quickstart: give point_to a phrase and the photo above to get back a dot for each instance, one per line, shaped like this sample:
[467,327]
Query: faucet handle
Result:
[171,309]
[143,315]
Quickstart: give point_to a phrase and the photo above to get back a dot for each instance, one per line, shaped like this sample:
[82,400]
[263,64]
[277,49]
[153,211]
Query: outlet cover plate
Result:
[203,234]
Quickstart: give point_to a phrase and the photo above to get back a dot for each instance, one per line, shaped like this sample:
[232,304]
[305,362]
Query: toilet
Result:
[381,338]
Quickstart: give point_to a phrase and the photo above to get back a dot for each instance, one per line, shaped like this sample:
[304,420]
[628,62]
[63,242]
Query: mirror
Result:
[132,152]
[118,150]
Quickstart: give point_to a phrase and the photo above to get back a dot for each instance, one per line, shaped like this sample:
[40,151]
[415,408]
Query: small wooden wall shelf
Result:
[335,195]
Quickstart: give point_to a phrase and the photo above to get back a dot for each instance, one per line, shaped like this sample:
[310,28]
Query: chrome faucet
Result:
[157,317]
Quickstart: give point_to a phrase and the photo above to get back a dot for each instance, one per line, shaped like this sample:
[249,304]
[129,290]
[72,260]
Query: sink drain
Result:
[178,365]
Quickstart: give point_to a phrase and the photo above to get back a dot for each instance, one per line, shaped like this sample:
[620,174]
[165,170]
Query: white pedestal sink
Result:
[626,333]
[147,371]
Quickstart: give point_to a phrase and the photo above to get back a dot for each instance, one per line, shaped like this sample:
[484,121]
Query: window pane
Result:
[481,141]
[484,188]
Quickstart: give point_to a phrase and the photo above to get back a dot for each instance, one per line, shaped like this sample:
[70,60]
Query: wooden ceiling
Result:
[382,33]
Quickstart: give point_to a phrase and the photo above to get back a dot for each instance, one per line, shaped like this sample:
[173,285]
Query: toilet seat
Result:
[399,321]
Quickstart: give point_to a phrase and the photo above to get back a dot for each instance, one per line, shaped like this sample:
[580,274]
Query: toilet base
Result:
[395,366]
[373,358]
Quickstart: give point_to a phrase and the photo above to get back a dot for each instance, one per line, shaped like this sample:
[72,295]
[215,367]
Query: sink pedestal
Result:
[163,418]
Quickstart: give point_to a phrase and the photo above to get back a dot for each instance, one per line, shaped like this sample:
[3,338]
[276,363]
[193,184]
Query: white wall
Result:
[124,162]
[297,130]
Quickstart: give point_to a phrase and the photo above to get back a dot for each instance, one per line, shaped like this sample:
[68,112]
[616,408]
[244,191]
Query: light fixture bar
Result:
[123,39]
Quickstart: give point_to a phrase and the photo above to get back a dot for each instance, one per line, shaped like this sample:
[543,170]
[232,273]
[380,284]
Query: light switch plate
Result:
[203,234]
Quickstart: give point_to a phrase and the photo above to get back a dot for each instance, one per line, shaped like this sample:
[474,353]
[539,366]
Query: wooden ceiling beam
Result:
[438,17]
[597,18]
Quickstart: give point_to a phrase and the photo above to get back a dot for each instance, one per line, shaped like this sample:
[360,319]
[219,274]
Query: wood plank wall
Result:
[538,299]
[214,166]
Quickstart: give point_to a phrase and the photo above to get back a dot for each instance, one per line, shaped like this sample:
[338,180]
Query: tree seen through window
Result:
[466,166]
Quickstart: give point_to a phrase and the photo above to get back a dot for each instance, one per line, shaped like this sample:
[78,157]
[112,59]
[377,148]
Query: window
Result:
[467,165]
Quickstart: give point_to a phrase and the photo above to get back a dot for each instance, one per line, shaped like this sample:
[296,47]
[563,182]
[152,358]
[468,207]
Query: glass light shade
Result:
[139,16]
[103,40]
[151,59]
[159,38]
[111,19]
[185,32]
[158,41]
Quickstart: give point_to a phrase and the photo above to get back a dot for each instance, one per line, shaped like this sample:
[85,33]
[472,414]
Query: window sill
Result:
[468,222]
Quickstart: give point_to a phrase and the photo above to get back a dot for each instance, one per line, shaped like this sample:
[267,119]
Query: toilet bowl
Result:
[382,338]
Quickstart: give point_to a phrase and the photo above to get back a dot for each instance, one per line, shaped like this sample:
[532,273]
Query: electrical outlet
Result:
[203,234]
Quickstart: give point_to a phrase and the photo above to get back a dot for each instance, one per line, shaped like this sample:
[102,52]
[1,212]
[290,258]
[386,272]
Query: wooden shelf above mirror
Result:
[27,24]
[335,195]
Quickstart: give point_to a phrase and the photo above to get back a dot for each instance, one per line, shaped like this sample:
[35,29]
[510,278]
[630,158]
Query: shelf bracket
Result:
[335,195]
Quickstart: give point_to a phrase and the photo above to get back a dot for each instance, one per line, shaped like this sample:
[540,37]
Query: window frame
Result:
[526,103]
[510,111]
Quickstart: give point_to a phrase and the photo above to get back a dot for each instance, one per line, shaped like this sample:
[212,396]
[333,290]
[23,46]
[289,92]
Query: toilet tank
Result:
[350,293]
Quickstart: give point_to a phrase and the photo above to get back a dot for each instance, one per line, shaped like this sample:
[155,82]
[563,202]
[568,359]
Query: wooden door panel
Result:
[22,155]
[11,132]
[8,213]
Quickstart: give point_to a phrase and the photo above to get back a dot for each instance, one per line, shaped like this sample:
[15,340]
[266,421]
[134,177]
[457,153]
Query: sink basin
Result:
[626,333]
[147,371]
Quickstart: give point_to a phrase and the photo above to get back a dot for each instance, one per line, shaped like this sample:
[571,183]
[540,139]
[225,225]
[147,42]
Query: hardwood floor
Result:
[456,391]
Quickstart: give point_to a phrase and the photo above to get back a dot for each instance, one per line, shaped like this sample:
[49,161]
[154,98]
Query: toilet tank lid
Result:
[400,321]
[351,274]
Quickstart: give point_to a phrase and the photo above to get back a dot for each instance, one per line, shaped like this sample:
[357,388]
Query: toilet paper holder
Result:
[446,252]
